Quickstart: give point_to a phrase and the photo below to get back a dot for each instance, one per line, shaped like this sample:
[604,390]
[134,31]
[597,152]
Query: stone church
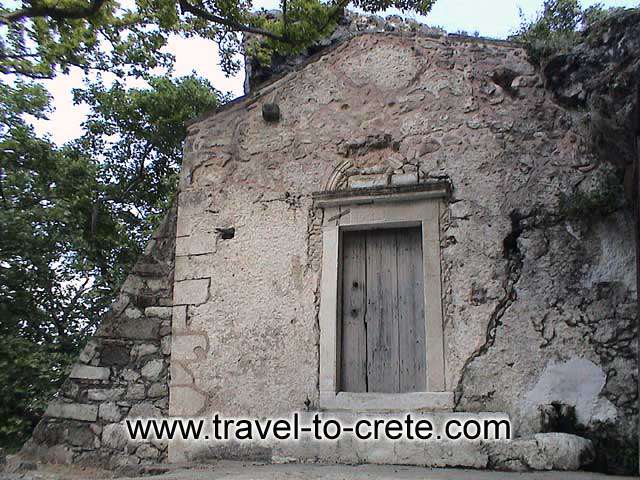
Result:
[406,221]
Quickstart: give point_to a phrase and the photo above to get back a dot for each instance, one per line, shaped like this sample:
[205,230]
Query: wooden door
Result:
[383,327]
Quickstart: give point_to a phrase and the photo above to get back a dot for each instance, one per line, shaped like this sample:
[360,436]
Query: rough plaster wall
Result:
[122,372]
[527,292]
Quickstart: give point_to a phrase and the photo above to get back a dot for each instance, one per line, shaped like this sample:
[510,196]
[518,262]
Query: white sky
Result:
[492,18]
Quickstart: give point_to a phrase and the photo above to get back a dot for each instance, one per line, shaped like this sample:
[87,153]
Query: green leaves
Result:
[73,219]
[127,38]
[556,28]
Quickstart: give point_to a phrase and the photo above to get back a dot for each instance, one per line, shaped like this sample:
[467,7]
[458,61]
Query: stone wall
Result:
[122,372]
[538,280]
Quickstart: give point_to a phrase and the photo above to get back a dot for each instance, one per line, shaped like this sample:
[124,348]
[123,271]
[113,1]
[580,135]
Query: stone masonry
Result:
[122,372]
[539,296]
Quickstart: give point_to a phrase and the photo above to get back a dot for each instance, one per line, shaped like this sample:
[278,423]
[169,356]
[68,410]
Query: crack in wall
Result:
[513,270]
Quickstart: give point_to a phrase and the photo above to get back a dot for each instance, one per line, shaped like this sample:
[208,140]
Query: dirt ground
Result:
[229,470]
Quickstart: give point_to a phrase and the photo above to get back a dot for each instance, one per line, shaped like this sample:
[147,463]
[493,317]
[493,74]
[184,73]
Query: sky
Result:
[492,18]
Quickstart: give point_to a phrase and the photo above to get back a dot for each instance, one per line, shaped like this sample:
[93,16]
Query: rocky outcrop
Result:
[122,372]
[600,77]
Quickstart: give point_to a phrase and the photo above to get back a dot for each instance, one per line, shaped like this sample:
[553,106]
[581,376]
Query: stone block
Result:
[404,179]
[144,410]
[186,401]
[88,352]
[73,411]
[144,349]
[81,436]
[109,412]
[104,394]
[147,452]
[88,372]
[157,390]
[561,451]
[367,181]
[136,391]
[158,312]
[129,375]
[180,375]
[165,328]
[114,436]
[179,318]
[184,346]
[191,292]
[197,244]
[195,266]
[140,329]
[152,369]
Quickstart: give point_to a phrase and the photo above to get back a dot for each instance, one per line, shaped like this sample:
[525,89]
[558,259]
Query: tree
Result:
[73,220]
[127,37]
[556,28]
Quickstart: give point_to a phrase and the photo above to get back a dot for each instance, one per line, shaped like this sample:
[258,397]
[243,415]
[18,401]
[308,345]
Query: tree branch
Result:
[338,9]
[185,6]
[56,13]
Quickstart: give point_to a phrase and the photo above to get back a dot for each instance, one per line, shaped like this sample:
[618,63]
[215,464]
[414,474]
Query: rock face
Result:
[601,77]
[539,292]
[121,371]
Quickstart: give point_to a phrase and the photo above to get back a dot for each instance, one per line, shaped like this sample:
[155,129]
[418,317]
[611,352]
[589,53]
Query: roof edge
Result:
[269,85]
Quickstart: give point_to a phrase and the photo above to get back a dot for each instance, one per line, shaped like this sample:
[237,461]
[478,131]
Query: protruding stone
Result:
[129,375]
[132,313]
[110,412]
[88,352]
[104,394]
[73,411]
[152,369]
[88,372]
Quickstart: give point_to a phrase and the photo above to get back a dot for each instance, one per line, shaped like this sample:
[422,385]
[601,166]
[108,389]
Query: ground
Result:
[230,470]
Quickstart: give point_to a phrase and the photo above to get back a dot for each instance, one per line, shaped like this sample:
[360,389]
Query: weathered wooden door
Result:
[383,328]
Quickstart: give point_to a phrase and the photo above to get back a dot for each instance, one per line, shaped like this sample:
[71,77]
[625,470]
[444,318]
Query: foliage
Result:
[127,37]
[73,220]
[556,28]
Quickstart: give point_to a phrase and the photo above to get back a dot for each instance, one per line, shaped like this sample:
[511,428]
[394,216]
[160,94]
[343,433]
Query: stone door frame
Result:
[372,208]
